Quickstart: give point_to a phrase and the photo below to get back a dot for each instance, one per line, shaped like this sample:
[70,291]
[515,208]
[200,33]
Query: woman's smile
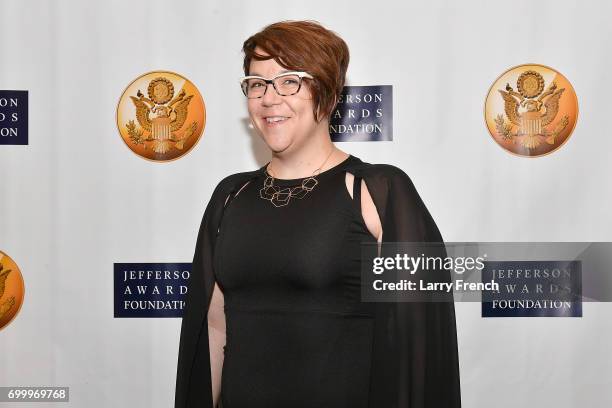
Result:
[275,121]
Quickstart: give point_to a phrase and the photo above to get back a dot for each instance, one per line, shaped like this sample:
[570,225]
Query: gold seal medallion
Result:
[12,290]
[535,119]
[167,122]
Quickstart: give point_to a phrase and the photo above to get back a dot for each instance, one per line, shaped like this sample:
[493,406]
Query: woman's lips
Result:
[274,121]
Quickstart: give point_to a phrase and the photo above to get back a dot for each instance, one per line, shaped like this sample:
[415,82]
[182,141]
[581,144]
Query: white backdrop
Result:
[76,200]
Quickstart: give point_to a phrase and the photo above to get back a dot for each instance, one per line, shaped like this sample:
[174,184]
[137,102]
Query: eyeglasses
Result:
[285,84]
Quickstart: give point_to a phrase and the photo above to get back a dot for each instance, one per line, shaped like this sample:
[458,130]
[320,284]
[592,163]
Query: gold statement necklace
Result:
[281,196]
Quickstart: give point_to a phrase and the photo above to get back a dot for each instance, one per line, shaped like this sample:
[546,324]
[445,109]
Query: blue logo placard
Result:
[363,113]
[533,289]
[150,289]
[13,117]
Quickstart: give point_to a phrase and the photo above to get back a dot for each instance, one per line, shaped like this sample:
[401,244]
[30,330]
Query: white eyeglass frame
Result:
[300,74]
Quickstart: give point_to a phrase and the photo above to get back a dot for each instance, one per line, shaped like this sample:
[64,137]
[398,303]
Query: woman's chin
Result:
[277,143]
[278,149]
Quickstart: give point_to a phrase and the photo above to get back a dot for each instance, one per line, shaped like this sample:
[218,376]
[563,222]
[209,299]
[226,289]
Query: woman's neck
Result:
[320,153]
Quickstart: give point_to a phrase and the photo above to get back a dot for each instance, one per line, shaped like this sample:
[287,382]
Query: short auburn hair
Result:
[305,46]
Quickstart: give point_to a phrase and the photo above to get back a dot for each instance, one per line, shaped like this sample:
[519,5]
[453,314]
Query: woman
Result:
[273,315]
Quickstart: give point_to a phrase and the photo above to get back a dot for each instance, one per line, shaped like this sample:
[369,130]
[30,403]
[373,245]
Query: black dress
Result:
[297,333]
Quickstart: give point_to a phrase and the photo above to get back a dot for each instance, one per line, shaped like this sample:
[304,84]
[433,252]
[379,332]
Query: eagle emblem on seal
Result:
[529,111]
[161,117]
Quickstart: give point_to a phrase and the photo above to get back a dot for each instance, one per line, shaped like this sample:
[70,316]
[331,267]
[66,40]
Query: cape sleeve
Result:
[414,353]
[193,378]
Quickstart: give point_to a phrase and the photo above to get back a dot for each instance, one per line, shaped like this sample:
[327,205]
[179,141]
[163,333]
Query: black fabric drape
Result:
[414,355]
[415,360]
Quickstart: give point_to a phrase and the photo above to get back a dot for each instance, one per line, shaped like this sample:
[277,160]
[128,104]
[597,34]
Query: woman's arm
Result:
[216,340]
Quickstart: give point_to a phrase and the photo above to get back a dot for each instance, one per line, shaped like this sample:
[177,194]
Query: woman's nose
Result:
[270,97]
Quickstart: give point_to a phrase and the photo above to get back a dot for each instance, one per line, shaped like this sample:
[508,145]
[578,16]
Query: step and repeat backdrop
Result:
[118,119]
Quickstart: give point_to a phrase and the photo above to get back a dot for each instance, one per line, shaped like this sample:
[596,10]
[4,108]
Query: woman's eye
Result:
[290,82]
[255,85]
